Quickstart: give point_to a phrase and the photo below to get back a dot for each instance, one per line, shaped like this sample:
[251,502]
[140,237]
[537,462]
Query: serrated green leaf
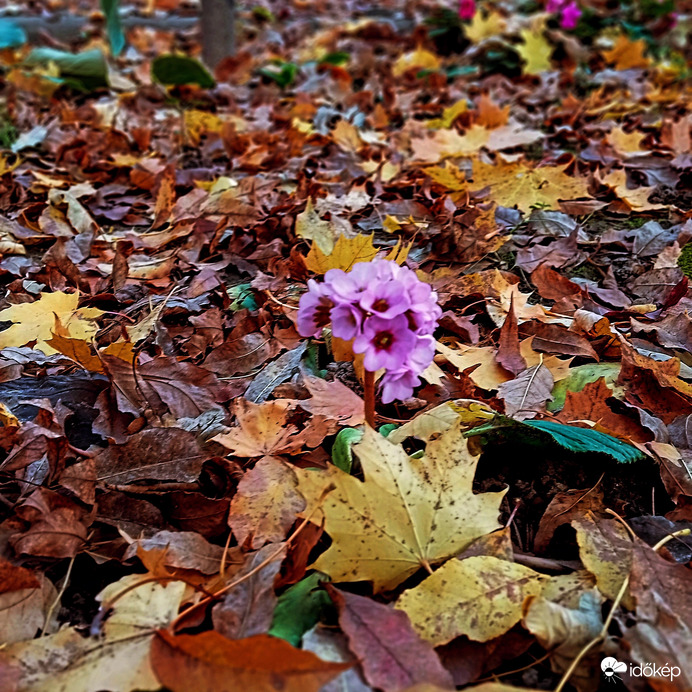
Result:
[588,441]
[300,607]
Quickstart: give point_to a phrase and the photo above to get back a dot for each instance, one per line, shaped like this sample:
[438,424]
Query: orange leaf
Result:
[627,54]
[208,662]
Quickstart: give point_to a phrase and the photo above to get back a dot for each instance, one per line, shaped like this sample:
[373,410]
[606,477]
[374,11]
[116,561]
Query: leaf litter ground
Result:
[189,499]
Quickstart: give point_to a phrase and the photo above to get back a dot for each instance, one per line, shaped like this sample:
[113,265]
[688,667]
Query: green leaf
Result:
[546,434]
[578,378]
[283,74]
[177,70]
[588,441]
[114,28]
[342,456]
[243,297]
[11,35]
[337,58]
[85,71]
[299,608]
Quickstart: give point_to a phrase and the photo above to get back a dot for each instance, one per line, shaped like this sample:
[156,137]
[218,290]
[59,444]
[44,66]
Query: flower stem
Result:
[369,396]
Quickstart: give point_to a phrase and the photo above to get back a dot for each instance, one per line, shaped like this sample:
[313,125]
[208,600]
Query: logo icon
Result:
[611,666]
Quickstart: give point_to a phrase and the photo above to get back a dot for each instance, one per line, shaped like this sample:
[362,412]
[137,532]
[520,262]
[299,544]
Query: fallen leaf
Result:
[406,514]
[265,504]
[248,608]
[527,393]
[565,632]
[333,400]
[419,59]
[120,656]
[485,26]
[310,226]
[605,548]
[346,253]
[627,54]
[514,184]
[208,662]
[393,656]
[534,50]
[181,550]
[262,430]
[480,597]
[36,321]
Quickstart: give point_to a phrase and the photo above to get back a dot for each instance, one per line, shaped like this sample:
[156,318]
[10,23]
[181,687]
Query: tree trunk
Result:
[218,30]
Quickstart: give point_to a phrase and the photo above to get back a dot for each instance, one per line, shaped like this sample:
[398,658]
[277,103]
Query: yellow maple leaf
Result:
[450,176]
[514,184]
[480,597]
[485,27]
[445,143]
[36,321]
[449,115]
[420,59]
[637,198]
[310,226]
[346,253]
[407,513]
[535,51]
[350,251]
[627,54]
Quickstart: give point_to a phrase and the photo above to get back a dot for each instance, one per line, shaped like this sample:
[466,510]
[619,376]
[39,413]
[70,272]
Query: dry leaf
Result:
[265,504]
[118,659]
[36,321]
[208,662]
[481,597]
[406,514]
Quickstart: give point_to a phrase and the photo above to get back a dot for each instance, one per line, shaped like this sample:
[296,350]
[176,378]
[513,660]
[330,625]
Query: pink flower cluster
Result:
[388,312]
[467,8]
[569,12]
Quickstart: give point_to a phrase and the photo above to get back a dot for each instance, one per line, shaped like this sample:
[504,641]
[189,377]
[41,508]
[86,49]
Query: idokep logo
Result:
[611,667]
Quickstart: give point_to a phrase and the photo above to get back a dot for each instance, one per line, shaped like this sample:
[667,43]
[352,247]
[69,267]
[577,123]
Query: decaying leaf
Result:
[481,597]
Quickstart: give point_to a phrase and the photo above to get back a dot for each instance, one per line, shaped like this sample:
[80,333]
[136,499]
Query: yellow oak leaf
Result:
[420,59]
[627,54]
[36,321]
[347,136]
[489,374]
[535,50]
[485,27]
[515,184]
[481,597]
[407,513]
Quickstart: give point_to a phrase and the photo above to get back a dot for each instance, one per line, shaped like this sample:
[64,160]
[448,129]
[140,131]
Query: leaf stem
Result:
[369,396]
